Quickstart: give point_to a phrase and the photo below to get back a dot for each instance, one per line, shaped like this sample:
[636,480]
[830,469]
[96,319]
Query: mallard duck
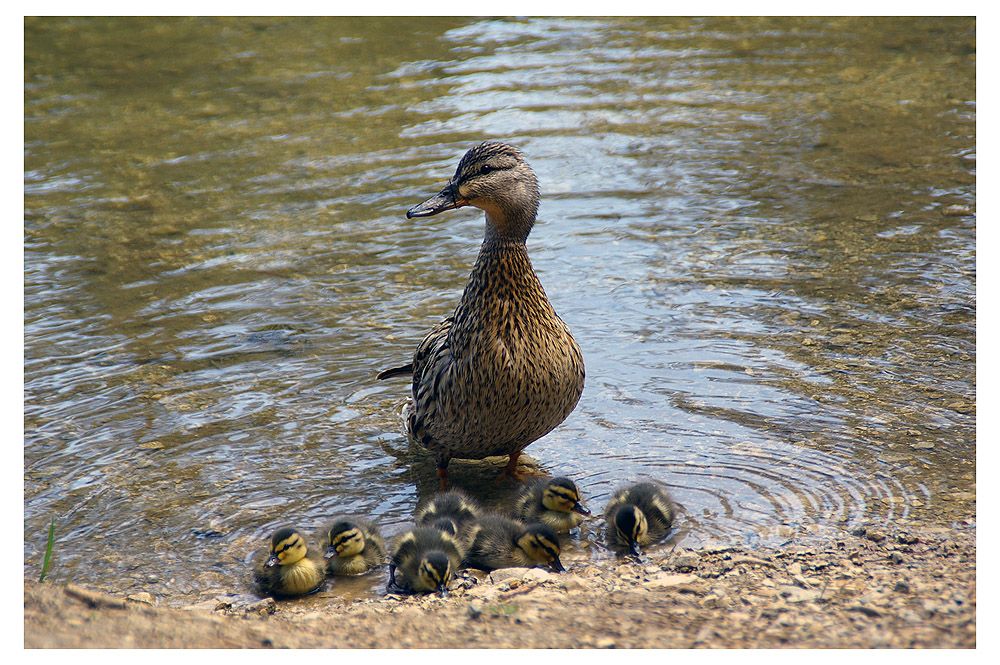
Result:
[353,546]
[503,370]
[555,502]
[500,542]
[638,515]
[425,559]
[290,568]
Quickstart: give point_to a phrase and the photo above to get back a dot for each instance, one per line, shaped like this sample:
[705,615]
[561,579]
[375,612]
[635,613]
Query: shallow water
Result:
[761,232]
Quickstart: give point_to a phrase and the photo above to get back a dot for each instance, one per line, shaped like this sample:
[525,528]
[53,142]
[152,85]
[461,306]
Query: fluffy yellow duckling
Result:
[637,516]
[424,560]
[290,569]
[353,546]
[554,502]
[500,542]
[454,512]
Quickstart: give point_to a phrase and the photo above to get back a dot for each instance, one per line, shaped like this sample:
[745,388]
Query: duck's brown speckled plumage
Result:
[503,370]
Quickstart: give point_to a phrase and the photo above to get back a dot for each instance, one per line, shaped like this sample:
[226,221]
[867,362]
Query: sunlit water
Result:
[761,232]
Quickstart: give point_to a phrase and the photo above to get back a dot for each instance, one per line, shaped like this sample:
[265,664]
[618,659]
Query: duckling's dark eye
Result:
[483,170]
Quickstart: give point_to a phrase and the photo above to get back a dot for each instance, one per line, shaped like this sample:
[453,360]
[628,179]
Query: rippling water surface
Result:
[761,232]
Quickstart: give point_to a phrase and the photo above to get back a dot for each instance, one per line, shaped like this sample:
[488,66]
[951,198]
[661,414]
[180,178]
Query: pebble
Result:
[605,643]
[896,558]
[794,594]
[503,574]
[902,586]
[141,597]
[685,562]
[665,580]
[474,610]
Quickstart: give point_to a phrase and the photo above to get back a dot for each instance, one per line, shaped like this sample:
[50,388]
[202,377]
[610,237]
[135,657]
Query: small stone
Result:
[922,445]
[795,569]
[573,583]
[203,606]
[605,643]
[537,575]
[683,583]
[808,341]
[896,558]
[141,597]
[907,538]
[902,586]
[474,610]
[874,535]
[864,609]
[686,562]
[503,574]
[796,595]
[263,607]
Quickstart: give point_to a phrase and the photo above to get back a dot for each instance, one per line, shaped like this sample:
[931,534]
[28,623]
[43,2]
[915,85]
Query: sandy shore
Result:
[871,588]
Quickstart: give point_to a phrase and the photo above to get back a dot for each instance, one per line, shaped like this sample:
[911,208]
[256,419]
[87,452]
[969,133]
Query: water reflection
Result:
[761,232]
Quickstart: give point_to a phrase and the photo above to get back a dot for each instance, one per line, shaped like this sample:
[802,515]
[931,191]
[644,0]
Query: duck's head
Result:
[434,572]
[445,525]
[631,525]
[541,545]
[287,547]
[561,495]
[344,539]
[494,177]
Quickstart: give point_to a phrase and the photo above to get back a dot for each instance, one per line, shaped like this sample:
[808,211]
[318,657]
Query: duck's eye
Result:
[483,170]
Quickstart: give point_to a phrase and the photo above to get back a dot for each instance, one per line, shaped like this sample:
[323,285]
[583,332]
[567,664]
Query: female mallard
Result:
[503,370]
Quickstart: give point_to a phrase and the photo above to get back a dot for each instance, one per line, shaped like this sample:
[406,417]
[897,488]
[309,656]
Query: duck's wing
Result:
[425,349]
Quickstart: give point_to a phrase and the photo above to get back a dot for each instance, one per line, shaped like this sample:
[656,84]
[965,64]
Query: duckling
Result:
[638,515]
[455,505]
[353,546]
[290,569]
[555,502]
[500,542]
[426,559]
[503,370]
[454,512]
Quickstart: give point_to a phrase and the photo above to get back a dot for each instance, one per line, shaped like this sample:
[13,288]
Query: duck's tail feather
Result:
[405,370]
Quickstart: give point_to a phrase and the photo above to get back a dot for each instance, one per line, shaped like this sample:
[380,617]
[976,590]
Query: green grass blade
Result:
[48,550]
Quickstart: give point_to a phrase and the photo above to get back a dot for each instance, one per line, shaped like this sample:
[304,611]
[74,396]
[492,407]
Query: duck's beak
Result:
[557,566]
[633,548]
[580,508]
[330,552]
[272,561]
[446,199]
[443,590]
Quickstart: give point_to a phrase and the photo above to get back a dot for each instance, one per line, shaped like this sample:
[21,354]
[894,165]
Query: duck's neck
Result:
[509,225]
[503,287]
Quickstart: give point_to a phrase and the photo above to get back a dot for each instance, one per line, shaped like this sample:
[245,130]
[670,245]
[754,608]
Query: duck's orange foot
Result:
[511,471]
